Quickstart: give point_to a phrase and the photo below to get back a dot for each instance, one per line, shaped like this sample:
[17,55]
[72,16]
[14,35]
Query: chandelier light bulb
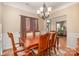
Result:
[41,9]
[49,9]
[48,21]
[38,11]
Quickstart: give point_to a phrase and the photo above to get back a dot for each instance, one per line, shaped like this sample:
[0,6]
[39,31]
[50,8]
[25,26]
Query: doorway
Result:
[61,29]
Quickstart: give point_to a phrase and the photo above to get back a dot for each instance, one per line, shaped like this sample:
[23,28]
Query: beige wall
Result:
[11,18]
[0,12]
[41,24]
[0,18]
[72,19]
[0,28]
[11,23]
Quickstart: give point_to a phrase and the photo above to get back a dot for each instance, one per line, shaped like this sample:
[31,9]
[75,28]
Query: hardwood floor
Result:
[62,42]
[8,52]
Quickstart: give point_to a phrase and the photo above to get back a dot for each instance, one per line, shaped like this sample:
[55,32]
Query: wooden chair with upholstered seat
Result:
[42,46]
[52,41]
[29,35]
[18,51]
[37,33]
[77,48]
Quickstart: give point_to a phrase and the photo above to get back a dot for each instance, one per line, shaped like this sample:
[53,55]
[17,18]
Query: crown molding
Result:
[26,8]
[31,11]
[64,6]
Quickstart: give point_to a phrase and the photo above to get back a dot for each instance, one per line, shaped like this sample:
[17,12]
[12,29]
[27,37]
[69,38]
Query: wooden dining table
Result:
[31,43]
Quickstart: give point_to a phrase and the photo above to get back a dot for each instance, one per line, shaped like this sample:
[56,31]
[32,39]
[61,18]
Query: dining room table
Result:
[31,43]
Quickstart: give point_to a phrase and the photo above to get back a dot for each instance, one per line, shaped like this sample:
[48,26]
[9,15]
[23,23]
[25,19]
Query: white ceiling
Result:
[37,5]
[33,6]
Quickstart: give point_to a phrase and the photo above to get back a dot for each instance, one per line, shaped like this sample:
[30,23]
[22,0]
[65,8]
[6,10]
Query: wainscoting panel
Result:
[0,44]
[7,41]
[72,39]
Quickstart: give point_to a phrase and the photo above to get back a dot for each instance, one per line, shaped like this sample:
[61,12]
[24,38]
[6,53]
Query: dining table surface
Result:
[31,43]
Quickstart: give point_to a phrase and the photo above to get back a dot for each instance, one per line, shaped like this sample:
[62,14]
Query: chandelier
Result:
[44,12]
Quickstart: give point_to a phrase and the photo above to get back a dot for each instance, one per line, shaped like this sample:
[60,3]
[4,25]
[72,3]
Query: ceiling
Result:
[37,5]
[33,6]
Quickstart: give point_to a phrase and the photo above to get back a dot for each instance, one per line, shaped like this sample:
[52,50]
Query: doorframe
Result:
[60,22]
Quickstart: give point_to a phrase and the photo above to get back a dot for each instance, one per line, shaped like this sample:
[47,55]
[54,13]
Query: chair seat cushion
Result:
[20,48]
[35,51]
[21,53]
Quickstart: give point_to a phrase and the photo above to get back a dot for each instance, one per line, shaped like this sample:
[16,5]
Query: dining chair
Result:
[30,35]
[77,48]
[42,46]
[52,41]
[37,33]
[18,51]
